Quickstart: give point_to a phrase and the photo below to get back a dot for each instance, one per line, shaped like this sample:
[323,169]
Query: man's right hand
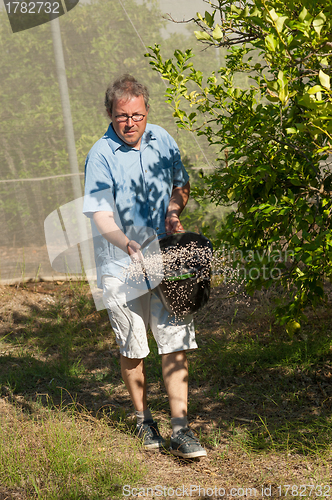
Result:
[111,232]
[134,251]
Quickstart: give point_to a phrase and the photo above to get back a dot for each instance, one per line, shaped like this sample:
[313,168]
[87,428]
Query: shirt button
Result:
[146,171]
[157,228]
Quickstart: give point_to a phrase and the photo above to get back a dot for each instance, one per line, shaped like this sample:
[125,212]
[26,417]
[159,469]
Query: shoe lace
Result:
[187,436]
[150,430]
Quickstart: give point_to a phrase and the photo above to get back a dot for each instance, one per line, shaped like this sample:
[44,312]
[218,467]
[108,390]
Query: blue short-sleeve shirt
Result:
[134,184]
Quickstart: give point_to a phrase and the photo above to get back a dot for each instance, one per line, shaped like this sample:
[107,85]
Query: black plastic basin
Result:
[187,272]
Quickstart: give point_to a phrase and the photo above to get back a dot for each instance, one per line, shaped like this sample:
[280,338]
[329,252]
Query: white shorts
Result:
[130,320]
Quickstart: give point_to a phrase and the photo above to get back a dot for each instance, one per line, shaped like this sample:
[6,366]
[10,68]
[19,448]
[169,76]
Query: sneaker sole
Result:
[193,454]
[154,446]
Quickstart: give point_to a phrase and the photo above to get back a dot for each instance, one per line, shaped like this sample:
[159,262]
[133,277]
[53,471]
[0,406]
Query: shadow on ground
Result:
[248,381]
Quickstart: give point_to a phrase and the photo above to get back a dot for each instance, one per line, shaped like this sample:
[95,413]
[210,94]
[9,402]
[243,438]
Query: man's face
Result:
[129,131]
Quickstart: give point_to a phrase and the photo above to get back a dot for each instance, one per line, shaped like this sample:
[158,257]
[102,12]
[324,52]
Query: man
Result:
[135,180]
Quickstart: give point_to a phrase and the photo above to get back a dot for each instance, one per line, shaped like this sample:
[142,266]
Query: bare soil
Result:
[224,410]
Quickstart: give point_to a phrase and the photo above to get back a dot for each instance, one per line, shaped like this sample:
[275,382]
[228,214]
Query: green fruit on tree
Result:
[292,326]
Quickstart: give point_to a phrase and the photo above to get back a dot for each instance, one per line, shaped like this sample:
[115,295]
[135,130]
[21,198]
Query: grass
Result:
[288,397]
[65,455]
[257,398]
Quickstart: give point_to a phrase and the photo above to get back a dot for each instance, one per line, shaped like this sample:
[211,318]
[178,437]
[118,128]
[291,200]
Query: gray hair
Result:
[125,87]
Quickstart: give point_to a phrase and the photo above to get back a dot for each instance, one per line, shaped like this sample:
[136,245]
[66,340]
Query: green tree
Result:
[274,138]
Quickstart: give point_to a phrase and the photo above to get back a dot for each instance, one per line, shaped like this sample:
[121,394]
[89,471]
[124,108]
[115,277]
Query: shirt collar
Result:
[116,143]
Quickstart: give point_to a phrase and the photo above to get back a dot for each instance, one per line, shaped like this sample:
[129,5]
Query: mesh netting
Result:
[24,207]
[101,40]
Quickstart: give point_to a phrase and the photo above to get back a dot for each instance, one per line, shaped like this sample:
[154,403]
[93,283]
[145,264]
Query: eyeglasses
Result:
[124,118]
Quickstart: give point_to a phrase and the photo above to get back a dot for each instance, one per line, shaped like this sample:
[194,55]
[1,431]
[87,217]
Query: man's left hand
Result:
[173,224]
[176,204]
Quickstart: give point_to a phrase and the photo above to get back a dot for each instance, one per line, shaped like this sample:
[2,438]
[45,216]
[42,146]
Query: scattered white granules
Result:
[181,271]
[183,274]
[174,263]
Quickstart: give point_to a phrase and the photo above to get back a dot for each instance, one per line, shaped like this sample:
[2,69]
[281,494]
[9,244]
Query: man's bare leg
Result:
[175,374]
[134,377]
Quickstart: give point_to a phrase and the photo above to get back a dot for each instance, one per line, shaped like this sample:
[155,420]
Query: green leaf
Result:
[237,92]
[235,9]
[202,35]
[274,16]
[271,42]
[280,23]
[272,98]
[318,22]
[209,19]
[324,79]
[217,33]
[305,17]
[272,85]
[283,95]
[245,12]
[292,327]
[282,78]
[255,12]
[283,87]
[278,20]
[303,14]
[296,182]
[179,56]
[315,89]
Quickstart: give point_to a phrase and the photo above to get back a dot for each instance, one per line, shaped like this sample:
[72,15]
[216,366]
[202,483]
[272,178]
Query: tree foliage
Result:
[274,137]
